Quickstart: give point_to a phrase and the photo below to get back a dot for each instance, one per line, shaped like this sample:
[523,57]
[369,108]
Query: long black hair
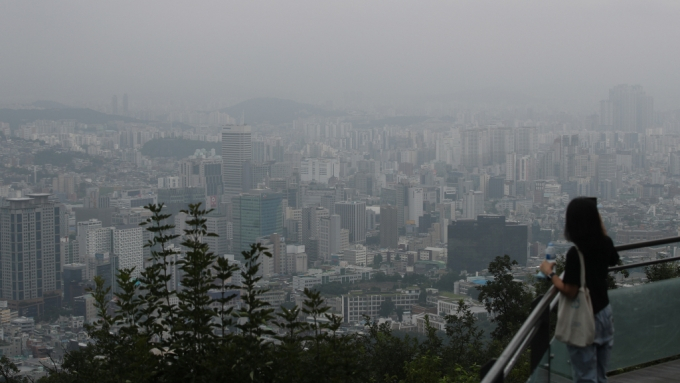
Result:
[583,223]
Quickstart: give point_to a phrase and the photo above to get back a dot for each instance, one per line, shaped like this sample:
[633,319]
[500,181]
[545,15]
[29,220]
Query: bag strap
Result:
[583,267]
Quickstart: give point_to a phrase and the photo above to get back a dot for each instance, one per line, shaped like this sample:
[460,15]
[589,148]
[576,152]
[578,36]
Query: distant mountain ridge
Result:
[273,110]
[47,104]
[17,117]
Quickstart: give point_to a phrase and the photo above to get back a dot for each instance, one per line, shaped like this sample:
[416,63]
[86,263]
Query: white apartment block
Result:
[169,183]
[355,255]
[319,169]
[355,306]
[127,244]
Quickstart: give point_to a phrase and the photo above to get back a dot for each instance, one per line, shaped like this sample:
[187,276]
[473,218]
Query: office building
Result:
[389,232]
[255,214]
[329,236]
[415,205]
[353,218]
[236,149]
[473,244]
[355,255]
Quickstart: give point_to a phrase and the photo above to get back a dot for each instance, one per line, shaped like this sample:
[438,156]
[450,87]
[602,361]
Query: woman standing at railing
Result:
[584,228]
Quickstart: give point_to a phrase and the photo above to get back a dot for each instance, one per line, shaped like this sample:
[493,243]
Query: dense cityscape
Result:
[365,208]
[332,191]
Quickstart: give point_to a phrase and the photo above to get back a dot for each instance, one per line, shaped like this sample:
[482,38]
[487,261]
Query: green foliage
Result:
[387,307]
[333,288]
[9,372]
[507,299]
[150,333]
[446,281]
[377,260]
[662,271]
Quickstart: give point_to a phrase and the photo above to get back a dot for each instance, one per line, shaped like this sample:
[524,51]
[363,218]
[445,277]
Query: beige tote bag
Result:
[575,318]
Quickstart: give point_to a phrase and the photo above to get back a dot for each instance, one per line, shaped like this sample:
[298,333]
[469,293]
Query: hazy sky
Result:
[307,50]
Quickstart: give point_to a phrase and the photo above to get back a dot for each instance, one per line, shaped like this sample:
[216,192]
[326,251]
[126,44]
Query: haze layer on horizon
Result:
[72,51]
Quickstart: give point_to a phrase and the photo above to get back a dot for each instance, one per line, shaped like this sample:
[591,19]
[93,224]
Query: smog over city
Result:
[350,191]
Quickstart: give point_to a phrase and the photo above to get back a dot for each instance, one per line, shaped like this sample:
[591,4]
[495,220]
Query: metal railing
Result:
[535,330]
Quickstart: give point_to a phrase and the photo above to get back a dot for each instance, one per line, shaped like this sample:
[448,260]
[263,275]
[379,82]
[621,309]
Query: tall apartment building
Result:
[127,245]
[310,225]
[30,266]
[606,175]
[473,204]
[319,169]
[202,172]
[353,218]
[632,110]
[217,224]
[236,149]
[92,239]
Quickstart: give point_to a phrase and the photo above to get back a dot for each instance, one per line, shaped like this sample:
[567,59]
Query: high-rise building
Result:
[606,175]
[255,214]
[30,266]
[476,243]
[389,232]
[310,226]
[353,218]
[473,204]
[114,104]
[415,204]
[176,199]
[632,110]
[236,149]
[127,244]
[471,146]
[92,239]
[328,202]
[402,204]
[329,236]
[259,152]
[217,223]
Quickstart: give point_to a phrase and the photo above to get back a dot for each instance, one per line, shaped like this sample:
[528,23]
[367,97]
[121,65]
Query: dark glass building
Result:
[473,244]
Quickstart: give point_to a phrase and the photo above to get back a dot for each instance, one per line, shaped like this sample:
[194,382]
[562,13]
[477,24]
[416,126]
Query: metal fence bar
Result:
[503,365]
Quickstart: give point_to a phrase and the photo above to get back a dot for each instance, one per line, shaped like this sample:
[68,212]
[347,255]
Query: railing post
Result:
[541,341]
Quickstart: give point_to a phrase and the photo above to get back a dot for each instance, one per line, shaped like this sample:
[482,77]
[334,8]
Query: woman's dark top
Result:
[598,255]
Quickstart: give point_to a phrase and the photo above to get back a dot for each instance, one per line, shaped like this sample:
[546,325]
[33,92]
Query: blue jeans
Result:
[589,364]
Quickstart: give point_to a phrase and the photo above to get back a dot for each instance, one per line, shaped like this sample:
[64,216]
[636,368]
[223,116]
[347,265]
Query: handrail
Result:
[506,361]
